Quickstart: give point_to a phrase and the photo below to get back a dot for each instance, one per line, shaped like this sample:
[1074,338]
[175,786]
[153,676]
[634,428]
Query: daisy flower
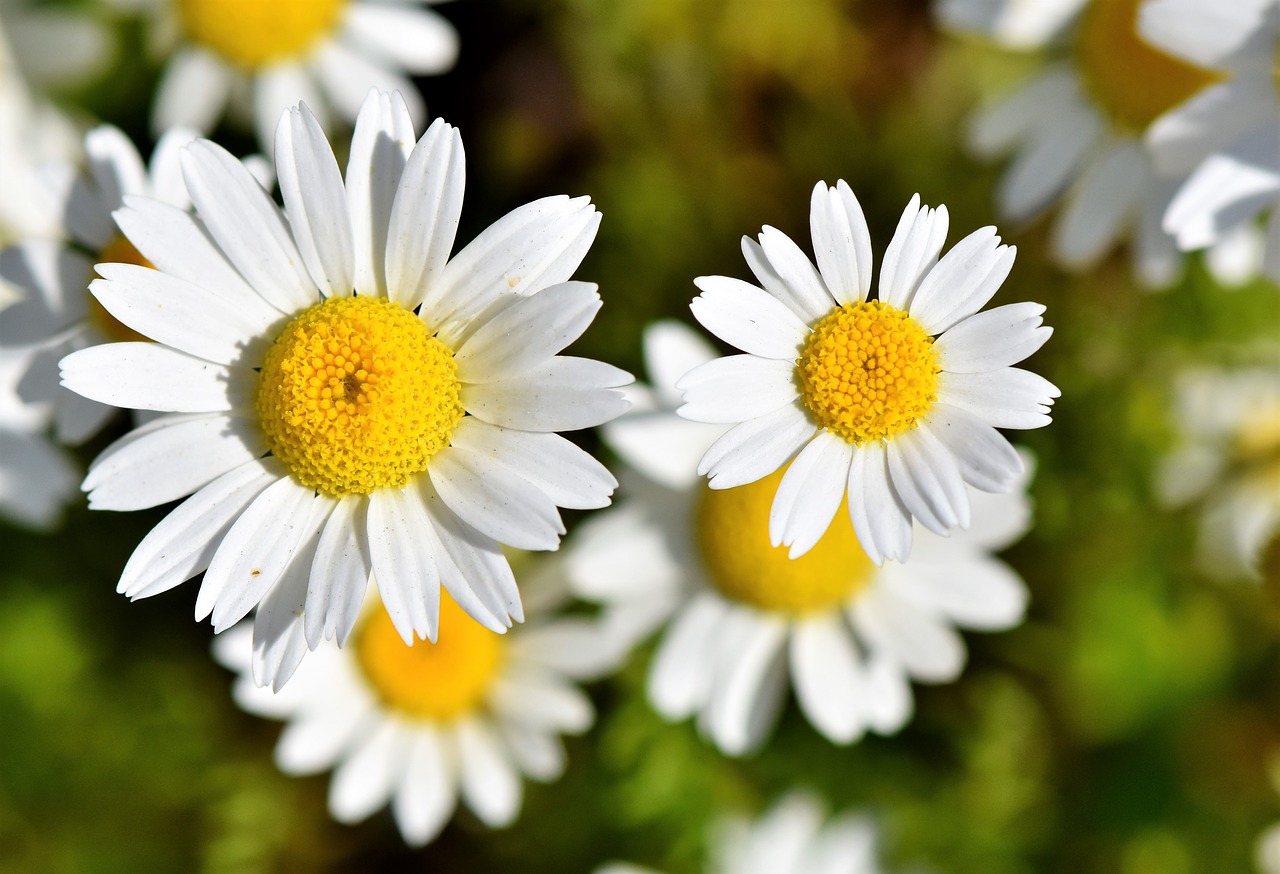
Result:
[265,57]
[419,726]
[1228,458]
[343,397]
[1076,130]
[56,313]
[1227,135]
[894,401]
[793,837]
[744,621]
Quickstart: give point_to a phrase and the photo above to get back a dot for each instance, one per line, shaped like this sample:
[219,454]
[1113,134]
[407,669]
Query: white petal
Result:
[148,376]
[737,388]
[424,215]
[527,332]
[1208,121]
[827,675]
[1102,206]
[165,169]
[745,702]
[1230,187]
[565,394]
[912,253]
[963,281]
[276,90]
[810,493]
[572,646]
[1007,398]
[538,754]
[660,445]
[1206,34]
[402,564]
[841,242]
[927,477]
[169,459]
[974,592]
[427,794]
[757,447]
[490,785]
[926,646]
[993,339]
[52,278]
[368,778]
[888,703]
[805,292]
[672,349]
[494,499]
[315,201]
[192,91]
[681,674]
[416,40]
[748,317]
[115,166]
[339,573]
[380,148]
[880,519]
[346,76]
[1157,263]
[314,740]
[986,459]
[542,703]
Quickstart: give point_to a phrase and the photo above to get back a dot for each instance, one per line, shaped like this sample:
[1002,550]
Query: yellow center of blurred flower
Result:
[868,371]
[355,396]
[1134,81]
[430,680]
[254,33]
[118,251]
[1256,451]
[733,534]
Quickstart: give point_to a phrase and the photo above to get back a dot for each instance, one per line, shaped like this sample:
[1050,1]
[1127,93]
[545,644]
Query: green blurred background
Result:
[1126,727]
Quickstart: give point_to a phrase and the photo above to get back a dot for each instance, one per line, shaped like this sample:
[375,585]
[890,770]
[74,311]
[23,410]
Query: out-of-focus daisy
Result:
[894,401]
[267,56]
[60,47]
[1076,130]
[794,837]
[344,397]
[420,726]
[1228,458]
[746,621]
[1227,135]
[56,313]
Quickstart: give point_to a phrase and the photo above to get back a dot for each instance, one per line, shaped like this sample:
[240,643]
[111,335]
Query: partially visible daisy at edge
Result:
[1076,131]
[343,397]
[1227,135]
[1228,459]
[56,314]
[256,59]
[795,836]
[743,621]
[893,401]
[421,727]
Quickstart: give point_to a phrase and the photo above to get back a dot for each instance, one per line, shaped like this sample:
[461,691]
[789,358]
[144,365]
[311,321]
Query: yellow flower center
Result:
[733,534]
[1134,81]
[253,33]
[119,251]
[429,680]
[1255,453]
[868,371]
[356,396]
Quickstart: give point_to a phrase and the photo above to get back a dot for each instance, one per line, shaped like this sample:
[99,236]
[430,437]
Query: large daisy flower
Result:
[894,400]
[793,837]
[1076,130]
[344,397]
[745,621]
[418,727]
[56,314]
[270,55]
[1227,136]
[1228,457]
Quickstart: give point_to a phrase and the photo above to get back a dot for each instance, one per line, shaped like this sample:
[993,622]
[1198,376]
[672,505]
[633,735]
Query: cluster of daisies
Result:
[362,416]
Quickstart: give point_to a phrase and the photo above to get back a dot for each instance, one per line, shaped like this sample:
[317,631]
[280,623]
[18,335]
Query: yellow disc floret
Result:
[1134,81]
[253,33]
[429,680]
[868,371]
[355,396]
[118,251]
[733,534]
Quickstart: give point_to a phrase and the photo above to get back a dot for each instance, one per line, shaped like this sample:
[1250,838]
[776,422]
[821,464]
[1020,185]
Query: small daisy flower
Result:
[1229,459]
[419,727]
[793,837]
[57,314]
[894,400]
[344,398]
[268,56]
[744,621]
[1227,135]
[1076,130]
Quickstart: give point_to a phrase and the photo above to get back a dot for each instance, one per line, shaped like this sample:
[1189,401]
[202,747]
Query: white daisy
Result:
[1076,130]
[1228,457]
[266,57]
[418,727]
[1227,135]
[793,837]
[746,621]
[894,400]
[56,313]
[345,397]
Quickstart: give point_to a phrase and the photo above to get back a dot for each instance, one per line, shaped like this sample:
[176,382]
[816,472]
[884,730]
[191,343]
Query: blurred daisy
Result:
[745,621]
[418,727]
[346,398]
[794,837]
[1228,458]
[894,401]
[268,56]
[1228,133]
[1076,129]
[56,313]
[60,47]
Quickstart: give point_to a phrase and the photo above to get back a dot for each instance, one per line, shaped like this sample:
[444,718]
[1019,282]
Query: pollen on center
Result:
[868,371]
[355,395]
[733,535]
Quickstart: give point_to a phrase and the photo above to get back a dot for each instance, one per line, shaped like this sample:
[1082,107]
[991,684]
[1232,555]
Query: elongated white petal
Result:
[978,592]
[680,676]
[115,166]
[339,573]
[495,500]
[192,91]
[527,332]
[748,317]
[993,339]
[148,376]
[1006,398]
[662,446]
[880,519]
[424,217]
[403,565]
[52,277]
[736,388]
[912,253]
[672,349]
[810,493]
[418,41]
[541,702]
[987,460]
[539,755]
[963,281]
[757,447]
[926,646]
[1052,158]
[489,785]
[564,394]
[427,794]
[316,738]
[380,147]
[827,675]
[1102,206]
[1229,187]
[805,291]
[368,777]
[746,700]
[841,242]
[277,89]
[927,477]
[346,75]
